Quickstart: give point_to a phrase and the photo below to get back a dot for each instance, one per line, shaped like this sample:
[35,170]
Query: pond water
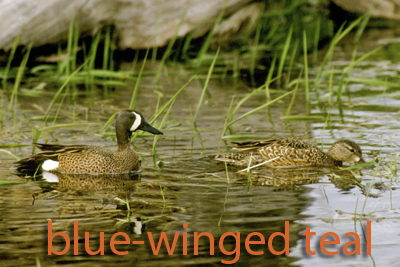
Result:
[182,190]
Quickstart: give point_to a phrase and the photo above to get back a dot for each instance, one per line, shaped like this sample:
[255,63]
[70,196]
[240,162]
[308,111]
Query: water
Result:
[182,184]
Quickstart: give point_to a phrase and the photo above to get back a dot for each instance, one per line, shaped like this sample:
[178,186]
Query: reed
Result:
[269,80]
[305,53]
[260,107]
[153,151]
[288,110]
[19,77]
[9,153]
[10,59]
[340,34]
[136,88]
[284,54]
[348,69]
[70,55]
[210,70]
[316,40]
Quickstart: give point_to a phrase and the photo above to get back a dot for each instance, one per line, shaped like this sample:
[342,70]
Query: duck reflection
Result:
[293,178]
[87,182]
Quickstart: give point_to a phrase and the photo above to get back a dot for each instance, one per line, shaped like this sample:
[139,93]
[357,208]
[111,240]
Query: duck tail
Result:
[31,165]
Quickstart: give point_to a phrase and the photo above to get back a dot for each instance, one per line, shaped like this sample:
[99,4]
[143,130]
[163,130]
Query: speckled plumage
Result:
[82,159]
[291,152]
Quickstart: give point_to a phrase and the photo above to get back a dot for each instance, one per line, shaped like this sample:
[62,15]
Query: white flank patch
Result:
[138,227]
[50,165]
[50,177]
[137,122]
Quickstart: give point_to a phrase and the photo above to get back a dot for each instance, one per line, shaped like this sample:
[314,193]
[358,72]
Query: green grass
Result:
[267,40]
[10,59]
[9,153]
[260,108]
[9,183]
[19,77]
[284,54]
[201,99]
[160,127]
[136,88]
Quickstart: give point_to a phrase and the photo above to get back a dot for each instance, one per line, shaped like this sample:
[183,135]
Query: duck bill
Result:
[145,126]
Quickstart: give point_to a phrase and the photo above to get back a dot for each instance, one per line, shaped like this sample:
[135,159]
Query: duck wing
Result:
[30,164]
[254,146]
[53,151]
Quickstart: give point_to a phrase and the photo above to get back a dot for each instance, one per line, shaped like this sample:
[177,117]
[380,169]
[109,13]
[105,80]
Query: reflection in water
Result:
[155,202]
[88,182]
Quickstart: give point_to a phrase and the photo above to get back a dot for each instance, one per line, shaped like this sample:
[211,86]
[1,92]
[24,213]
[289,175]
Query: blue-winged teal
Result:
[288,152]
[92,159]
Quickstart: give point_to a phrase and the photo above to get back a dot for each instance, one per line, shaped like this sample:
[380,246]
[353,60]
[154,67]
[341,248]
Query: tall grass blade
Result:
[210,70]
[228,117]
[305,54]
[92,57]
[316,40]
[269,77]
[75,46]
[37,132]
[338,36]
[46,115]
[20,75]
[186,45]
[70,41]
[294,95]
[136,89]
[10,154]
[284,54]
[10,58]
[292,58]
[106,50]
[243,100]
[349,68]
[261,107]
[153,151]
[108,123]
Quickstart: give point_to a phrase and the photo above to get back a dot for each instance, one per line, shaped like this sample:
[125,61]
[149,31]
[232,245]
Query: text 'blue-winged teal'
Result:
[85,159]
[292,152]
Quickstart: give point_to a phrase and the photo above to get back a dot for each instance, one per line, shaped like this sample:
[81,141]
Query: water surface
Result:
[182,183]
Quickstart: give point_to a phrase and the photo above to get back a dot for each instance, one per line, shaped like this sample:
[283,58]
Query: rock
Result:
[139,23]
[386,9]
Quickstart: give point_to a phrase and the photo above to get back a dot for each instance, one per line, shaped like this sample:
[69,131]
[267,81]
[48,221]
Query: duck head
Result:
[129,121]
[346,151]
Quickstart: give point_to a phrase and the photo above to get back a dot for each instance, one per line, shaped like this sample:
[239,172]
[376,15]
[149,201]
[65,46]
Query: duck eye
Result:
[132,117]
[352,150]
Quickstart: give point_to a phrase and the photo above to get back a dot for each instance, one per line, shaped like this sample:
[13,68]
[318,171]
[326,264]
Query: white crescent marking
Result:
[137,122]
[50,165]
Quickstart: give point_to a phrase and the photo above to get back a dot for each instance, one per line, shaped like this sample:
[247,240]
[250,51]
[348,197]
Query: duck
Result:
[292,152]
[88,159]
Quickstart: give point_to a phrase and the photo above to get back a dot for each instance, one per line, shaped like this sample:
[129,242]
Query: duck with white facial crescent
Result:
[86,159]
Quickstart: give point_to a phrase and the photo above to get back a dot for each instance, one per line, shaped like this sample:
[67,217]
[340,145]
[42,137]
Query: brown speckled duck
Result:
[292,152]
[84,159]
